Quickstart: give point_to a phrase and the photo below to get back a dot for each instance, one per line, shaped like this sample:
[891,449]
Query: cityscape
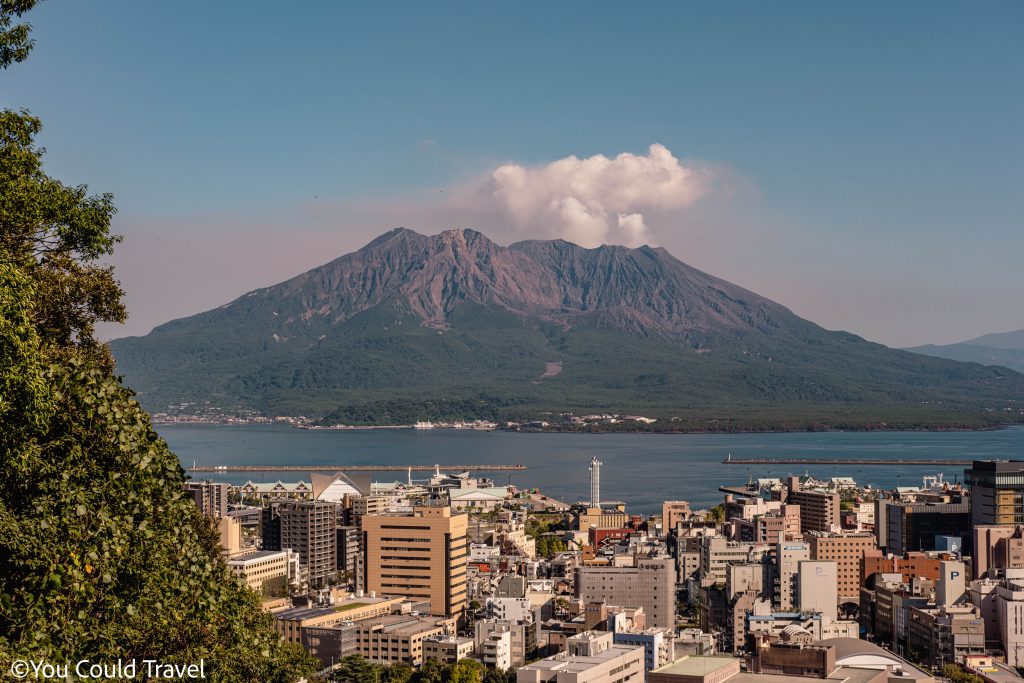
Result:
[784,579]
[572,342]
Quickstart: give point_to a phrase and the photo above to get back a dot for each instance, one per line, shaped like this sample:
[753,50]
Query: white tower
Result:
[595,483]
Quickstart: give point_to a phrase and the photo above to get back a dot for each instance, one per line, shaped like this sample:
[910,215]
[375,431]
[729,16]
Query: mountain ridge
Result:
[410,319]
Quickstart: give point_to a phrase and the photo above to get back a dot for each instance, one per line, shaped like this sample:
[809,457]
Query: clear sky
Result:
[861,163]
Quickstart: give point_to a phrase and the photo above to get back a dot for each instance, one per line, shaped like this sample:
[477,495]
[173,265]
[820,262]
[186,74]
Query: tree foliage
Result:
[102,557]
[356,669]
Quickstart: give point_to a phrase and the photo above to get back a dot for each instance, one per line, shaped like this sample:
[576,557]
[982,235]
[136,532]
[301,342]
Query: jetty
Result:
[355,468]
[893,462]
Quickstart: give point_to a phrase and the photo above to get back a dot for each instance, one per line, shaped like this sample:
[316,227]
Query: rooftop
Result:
[696,665]
[577,664]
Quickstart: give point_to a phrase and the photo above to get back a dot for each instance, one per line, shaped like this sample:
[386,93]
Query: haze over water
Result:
[640,469]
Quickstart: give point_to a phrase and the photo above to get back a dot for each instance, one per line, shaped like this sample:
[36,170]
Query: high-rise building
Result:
[210,497]
[595,483]
[997,491]
[350,554]
[819,511]
[915,526]
[309,528]
[846,550]
[651,584]
[817,588]
[788,556]
[421,555]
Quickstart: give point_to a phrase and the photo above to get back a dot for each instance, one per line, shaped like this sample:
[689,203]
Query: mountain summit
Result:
[456,325]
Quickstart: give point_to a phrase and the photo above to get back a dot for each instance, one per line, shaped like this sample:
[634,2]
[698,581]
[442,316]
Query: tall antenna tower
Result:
[595,483]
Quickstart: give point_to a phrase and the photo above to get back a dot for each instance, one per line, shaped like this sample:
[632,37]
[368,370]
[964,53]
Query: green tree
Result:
[102,557]
[357,669]
[431,671]
[717,514]
[467,671]
[399,672]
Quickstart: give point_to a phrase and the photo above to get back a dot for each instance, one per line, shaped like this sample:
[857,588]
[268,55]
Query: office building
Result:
[788,557]
[268,572]
[447,649]
[997,491]
[651,585]
[422,555]
[915,526]
[587,659]
[817,591]
[847,551]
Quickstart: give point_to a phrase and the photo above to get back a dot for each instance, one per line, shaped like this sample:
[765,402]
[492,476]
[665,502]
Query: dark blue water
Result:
[640,469]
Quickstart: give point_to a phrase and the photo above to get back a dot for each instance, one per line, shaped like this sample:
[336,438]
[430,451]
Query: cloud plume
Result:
[596,200]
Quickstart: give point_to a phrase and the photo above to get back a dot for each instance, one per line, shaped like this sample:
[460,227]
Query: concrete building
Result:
[997,492]
[997,547]
[447,649]
[672,513]
[716,553]
[819,511]
[597,661]
[494,637]
[399,637]
[651,585]
[926,565]
[915,526]
[308,527]
[350,555]
[1009,604]
[290,622]
[422,555]
[210,497]
[788,557]
[694,669]
[268,572]
[658,645]
[942,635]
[847,551]
[817,590]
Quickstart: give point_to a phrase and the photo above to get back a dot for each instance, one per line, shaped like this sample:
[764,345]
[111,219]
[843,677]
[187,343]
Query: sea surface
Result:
[640,469]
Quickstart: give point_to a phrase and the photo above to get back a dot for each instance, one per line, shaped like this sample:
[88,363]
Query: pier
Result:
[895,462]
[354,468]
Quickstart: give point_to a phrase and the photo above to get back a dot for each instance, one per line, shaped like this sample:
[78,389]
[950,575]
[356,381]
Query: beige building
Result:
[589,658]
[447,649]
[290,622]
[651,585]
[788,557]
[847,551]
[268,572]
[422,555]
[673,512]
[399,637]
[817,588]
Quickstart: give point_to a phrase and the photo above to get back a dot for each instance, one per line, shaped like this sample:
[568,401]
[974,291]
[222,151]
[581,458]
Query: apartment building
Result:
[997,491]
[308,527]
[819,511]
[210,497]
[421,555]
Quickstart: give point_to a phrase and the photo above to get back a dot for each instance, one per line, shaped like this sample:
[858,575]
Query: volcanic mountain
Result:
[455,326]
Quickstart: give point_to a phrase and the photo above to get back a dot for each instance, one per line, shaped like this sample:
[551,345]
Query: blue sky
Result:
[867,158]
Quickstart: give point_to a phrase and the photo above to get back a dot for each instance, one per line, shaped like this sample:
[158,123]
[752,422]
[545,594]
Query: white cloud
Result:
[595,200]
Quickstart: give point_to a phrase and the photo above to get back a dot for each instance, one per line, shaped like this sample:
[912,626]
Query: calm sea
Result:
[640,469]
